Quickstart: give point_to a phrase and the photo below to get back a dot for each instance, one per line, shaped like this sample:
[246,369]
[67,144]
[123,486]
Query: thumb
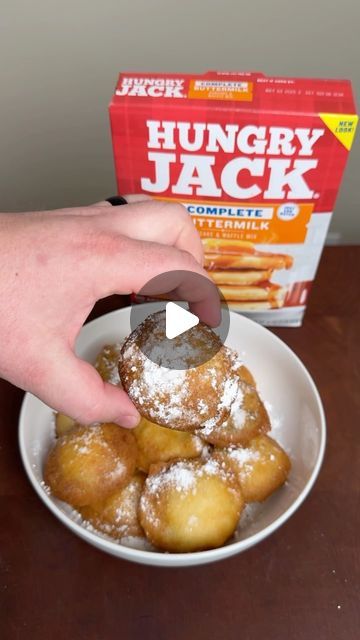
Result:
[75,388]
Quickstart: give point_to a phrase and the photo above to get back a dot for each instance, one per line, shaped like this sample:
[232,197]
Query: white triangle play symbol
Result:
[178,320]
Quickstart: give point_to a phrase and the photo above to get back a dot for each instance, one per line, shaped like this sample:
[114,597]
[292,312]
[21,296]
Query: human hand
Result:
[54,267]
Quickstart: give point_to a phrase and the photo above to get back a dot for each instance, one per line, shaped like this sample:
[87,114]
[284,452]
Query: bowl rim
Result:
[160,558]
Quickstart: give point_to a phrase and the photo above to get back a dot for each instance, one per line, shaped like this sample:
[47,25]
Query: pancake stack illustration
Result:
[244,274]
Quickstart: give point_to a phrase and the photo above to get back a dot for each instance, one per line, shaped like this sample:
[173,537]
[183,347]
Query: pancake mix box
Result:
[257,161]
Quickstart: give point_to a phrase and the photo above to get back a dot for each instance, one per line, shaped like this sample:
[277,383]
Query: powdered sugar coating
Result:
[107,363]
[190,505]
[117,515]
[183,398]
[90,437]
[244,459]
[240,459]
[182,475]
[236,412]
[88,463]
[248,416]
[262,467]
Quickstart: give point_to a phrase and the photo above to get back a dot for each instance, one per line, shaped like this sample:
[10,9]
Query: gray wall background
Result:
[59,61]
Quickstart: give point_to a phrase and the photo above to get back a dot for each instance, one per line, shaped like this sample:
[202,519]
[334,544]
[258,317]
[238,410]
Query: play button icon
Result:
[178,320]
[187,299]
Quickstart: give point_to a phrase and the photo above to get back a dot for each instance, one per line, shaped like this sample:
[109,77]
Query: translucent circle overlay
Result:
[196,294]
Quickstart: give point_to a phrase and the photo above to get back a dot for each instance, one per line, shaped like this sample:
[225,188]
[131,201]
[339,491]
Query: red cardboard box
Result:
[256,160]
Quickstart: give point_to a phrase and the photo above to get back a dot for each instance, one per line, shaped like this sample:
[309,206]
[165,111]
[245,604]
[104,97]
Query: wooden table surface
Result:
[302,583]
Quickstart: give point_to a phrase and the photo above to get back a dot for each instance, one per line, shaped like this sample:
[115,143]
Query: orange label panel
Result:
[270,223]
[221,90]
[273,231]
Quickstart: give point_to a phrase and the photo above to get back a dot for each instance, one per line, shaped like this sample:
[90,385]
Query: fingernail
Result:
[129,421]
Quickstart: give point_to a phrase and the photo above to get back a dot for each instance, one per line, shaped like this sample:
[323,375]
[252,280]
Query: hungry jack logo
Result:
[151,87]
[272,162]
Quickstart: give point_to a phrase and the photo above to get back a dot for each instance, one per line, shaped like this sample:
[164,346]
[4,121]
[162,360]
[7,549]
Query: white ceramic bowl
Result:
[296,413]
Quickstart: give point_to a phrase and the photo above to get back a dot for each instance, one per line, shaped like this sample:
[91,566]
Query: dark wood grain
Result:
[302,583]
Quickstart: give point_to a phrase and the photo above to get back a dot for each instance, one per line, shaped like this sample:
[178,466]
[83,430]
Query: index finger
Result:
[136,266]
[155,221]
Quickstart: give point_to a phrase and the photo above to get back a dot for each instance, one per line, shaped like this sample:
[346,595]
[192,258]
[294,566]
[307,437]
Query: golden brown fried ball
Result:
[248,418]
[246,376]
[261,467]
[160,444]
[107,363]
[190,505]
[87,464]
[63,424]
[240,369]
[179,398]
[117,515]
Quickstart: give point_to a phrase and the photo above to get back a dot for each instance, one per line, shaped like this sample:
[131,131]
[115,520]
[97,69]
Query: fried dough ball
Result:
[87,464]
[248,418]
[180,398]
[63,424]
[107,363]
[160,444]
[117,515]
[246,376]
[261,468]
[190,505]
[239,368]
